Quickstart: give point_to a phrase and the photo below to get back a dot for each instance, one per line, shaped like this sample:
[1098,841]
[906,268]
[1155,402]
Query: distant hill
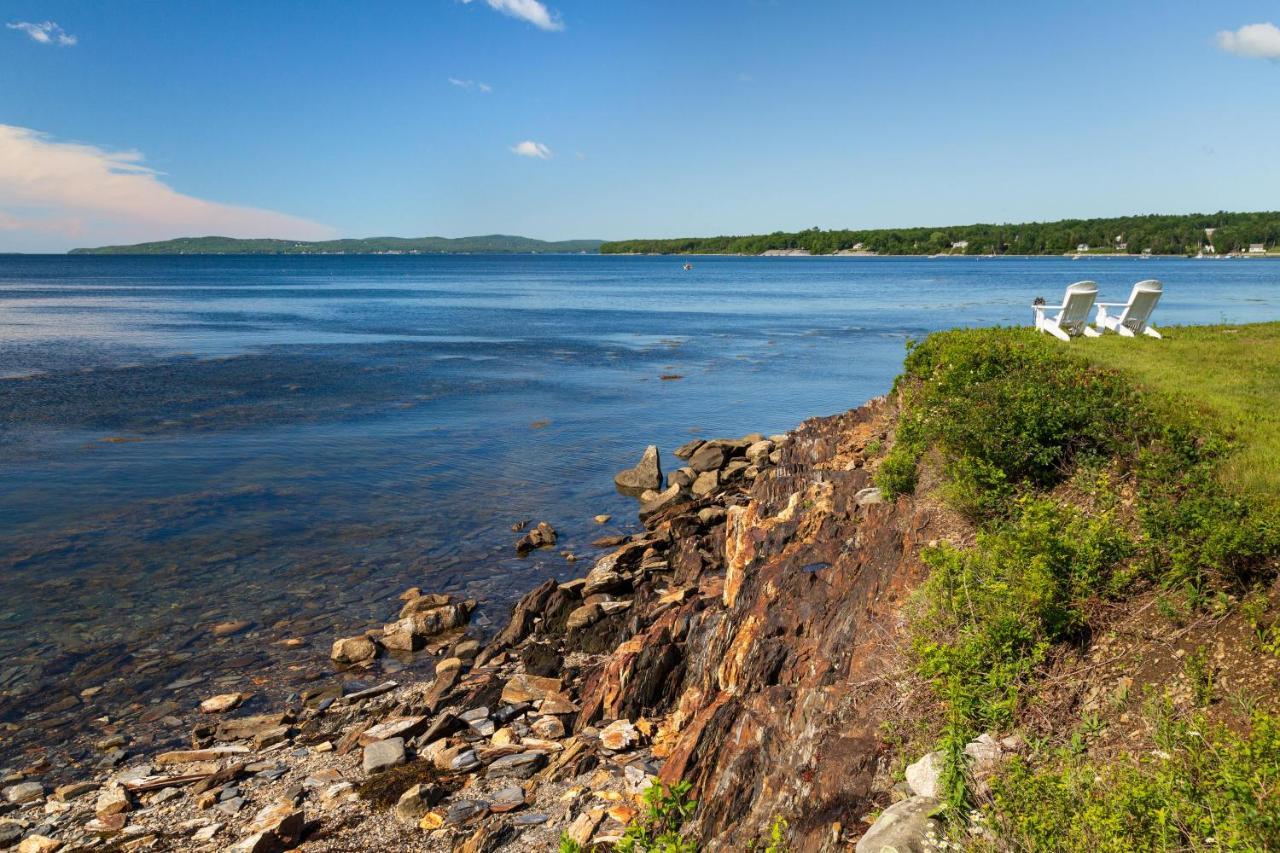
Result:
[493,243]
[1222,232]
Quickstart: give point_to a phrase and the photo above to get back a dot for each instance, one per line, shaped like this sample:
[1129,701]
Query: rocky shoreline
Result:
[744,641]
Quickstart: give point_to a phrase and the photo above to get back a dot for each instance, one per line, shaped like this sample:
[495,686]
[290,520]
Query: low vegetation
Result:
[1096,473]
[1161,235]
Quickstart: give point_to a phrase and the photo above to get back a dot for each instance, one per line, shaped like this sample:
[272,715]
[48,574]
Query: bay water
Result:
[289,442]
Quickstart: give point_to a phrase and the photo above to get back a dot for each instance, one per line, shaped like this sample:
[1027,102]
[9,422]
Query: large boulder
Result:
[906,827]
[410,632]
[689,448]
[353,650]
[709,457]
[660,501]
[707,483]
[647,474]
[925,775]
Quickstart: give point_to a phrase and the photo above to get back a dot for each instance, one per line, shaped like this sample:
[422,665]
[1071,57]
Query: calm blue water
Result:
[292,441]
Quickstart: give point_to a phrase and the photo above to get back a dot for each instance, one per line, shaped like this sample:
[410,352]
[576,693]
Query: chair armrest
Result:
[1110,304]
[1049,307]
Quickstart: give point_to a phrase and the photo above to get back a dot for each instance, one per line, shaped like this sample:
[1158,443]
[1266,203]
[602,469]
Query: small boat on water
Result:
[688,267]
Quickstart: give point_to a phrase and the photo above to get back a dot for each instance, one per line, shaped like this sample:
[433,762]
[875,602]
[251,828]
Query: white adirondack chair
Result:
[1132,320]
[1072,319]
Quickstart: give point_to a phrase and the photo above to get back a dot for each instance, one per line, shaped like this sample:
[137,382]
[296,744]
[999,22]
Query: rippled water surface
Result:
[290,442]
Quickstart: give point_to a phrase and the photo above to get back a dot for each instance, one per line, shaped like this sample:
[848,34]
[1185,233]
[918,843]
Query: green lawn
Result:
[1229,373]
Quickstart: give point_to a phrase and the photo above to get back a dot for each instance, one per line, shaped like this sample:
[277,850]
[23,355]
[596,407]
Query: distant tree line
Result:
[492,243]
[1161,235]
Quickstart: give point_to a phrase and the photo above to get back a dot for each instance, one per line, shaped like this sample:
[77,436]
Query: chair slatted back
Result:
[1076,306]
[1142,301]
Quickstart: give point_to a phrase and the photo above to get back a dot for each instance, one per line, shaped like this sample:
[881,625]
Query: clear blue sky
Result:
[660,118]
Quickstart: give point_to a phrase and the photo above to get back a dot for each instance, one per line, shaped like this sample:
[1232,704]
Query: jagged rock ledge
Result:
[742,641]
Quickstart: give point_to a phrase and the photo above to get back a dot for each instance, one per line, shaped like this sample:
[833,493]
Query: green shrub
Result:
[1007,408]
[657,829]
[1208,788]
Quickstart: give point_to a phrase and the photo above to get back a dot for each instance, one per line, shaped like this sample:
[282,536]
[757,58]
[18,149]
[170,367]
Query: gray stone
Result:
[689,448]
[711,515]
[522,765]
[353,650]
[682,477]
[587,614]
[707,483]
[383,755]
[412,630]
[414,803]
[708,458]
[905,827]
[24,792]
[647,474]
[231,806]
[868,497]
[461,811]
[758,453]
[542,536]
[925,775]
[530,819]
[661,501]
[508,799]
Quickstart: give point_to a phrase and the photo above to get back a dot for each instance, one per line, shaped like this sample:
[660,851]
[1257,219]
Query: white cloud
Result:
[58,194]
[529,148]
[532,11]
[471,85]
[1256,41]
[46,32]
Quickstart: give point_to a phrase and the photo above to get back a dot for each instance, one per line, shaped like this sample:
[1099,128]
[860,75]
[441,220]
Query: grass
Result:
[1093,472]
[1228,374]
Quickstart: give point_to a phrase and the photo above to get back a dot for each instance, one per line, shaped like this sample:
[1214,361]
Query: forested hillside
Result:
[490,244]
[1162,235]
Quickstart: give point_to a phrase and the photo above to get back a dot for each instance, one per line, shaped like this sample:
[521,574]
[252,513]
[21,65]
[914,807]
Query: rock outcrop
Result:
[742,641]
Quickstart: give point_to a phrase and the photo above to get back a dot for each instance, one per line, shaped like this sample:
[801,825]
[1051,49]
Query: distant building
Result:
[1257,248]
[1082,247]
[960,244]
[1122,247]
[1146,251]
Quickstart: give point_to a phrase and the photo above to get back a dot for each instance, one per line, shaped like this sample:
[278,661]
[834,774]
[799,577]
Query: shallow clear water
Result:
[293,441]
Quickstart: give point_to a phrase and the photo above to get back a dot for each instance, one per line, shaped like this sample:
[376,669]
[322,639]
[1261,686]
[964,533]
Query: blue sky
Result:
[313,118]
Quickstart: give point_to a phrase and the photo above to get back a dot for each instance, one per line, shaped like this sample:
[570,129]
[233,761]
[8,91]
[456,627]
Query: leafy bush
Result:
[657,830]
[990,613]
[1006,408]
[1208,788]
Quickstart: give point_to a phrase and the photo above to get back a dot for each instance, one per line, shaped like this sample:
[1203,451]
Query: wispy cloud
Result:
[529,148]
[53,192]
[475,85]
[1256,41]
[532,11]
[45,32]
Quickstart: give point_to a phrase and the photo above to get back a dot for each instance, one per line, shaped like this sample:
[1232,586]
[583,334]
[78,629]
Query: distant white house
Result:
[1122,247]
[1257,248]
[1082,247]
[960,244]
